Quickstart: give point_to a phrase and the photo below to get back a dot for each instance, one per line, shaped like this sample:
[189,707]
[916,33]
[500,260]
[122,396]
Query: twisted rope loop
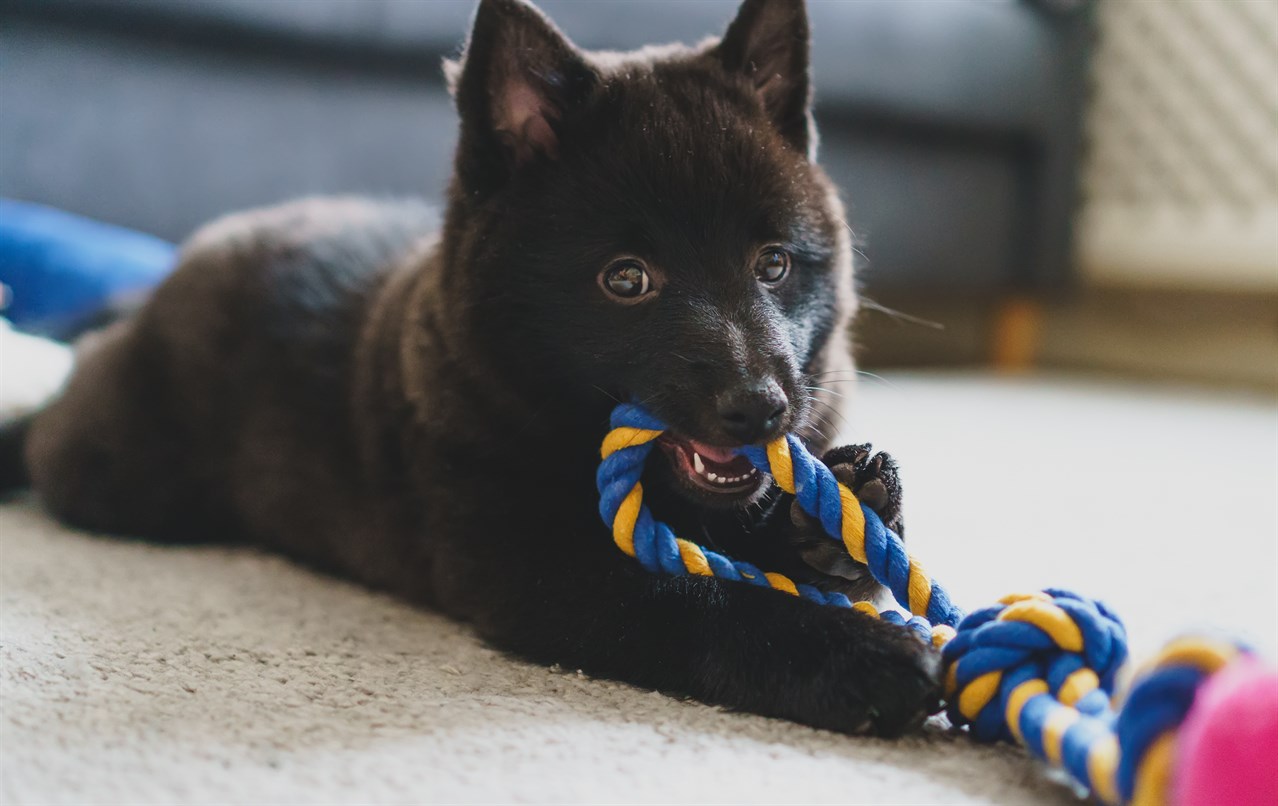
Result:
[1037,668]
[651,542]
[626,449]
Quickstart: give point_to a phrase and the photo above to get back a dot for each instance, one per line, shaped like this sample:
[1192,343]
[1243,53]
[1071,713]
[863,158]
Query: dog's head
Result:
[651,226]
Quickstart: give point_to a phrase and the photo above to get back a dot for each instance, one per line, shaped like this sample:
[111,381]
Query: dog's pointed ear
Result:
[770,43]
[516,80]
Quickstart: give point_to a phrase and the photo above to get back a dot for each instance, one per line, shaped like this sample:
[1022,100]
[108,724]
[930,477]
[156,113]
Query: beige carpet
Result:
[139,674]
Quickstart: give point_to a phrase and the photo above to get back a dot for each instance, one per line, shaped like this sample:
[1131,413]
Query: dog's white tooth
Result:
[697,464]
[712,477]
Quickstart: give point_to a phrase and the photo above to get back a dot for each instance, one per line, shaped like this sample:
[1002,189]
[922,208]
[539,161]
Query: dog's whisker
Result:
[901,316]
[878,378]
[834,411]
[825,419]
[606,393]
[855,373]
[833,372]
[823,389]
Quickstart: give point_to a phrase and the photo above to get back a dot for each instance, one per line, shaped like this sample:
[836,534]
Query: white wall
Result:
[1181,180]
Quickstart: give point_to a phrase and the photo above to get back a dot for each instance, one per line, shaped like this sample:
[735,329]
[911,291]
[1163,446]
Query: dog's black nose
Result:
[752,412]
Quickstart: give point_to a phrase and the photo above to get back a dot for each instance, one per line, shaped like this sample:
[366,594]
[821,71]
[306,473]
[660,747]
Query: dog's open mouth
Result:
[711,468]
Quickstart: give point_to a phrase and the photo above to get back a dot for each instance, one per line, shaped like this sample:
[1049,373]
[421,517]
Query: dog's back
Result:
[223,408]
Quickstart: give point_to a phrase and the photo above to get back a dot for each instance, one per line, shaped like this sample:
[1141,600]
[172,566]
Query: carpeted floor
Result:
[140,674]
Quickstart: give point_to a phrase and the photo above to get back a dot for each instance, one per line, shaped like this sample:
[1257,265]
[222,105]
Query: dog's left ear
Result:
[769,42]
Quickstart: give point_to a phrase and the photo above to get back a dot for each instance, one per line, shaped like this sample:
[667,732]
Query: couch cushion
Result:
[988,63]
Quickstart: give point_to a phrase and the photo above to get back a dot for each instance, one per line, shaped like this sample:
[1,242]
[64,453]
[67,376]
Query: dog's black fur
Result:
[422,414]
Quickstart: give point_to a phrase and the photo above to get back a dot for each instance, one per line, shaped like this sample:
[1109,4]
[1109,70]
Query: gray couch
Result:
[952,125]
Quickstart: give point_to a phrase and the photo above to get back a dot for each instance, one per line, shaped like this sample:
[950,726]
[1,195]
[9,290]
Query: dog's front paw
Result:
[888,680]
[874,478]
[903,686]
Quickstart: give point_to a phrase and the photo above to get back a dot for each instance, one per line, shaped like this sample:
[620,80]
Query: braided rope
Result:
[654,545]
[1037,668]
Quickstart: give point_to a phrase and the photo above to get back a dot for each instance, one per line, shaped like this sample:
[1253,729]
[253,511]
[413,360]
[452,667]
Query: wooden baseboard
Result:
[1225,338]
[1016,334]
[1195,336]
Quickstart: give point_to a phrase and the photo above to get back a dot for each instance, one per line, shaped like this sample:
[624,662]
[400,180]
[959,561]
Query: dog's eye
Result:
[626,279]
[772,265]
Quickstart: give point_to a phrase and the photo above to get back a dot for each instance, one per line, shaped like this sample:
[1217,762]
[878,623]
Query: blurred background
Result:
[1050,183]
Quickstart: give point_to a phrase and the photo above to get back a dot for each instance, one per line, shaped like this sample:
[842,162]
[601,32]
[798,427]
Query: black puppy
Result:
[422,413]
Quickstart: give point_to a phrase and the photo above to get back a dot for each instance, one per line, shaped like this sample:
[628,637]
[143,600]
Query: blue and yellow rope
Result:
[654,545]
[1037,668]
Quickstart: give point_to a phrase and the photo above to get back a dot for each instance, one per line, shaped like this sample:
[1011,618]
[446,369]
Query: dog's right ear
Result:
[515,83]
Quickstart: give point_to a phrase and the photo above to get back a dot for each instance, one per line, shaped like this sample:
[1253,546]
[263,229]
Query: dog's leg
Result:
[728,643]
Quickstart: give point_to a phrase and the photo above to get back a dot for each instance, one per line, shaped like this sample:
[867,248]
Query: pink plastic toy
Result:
[1228,745]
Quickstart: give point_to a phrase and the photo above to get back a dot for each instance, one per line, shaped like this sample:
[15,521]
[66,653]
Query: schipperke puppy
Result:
[418,405]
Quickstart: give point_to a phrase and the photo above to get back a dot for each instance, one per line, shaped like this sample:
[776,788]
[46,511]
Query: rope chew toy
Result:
[1037,668]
